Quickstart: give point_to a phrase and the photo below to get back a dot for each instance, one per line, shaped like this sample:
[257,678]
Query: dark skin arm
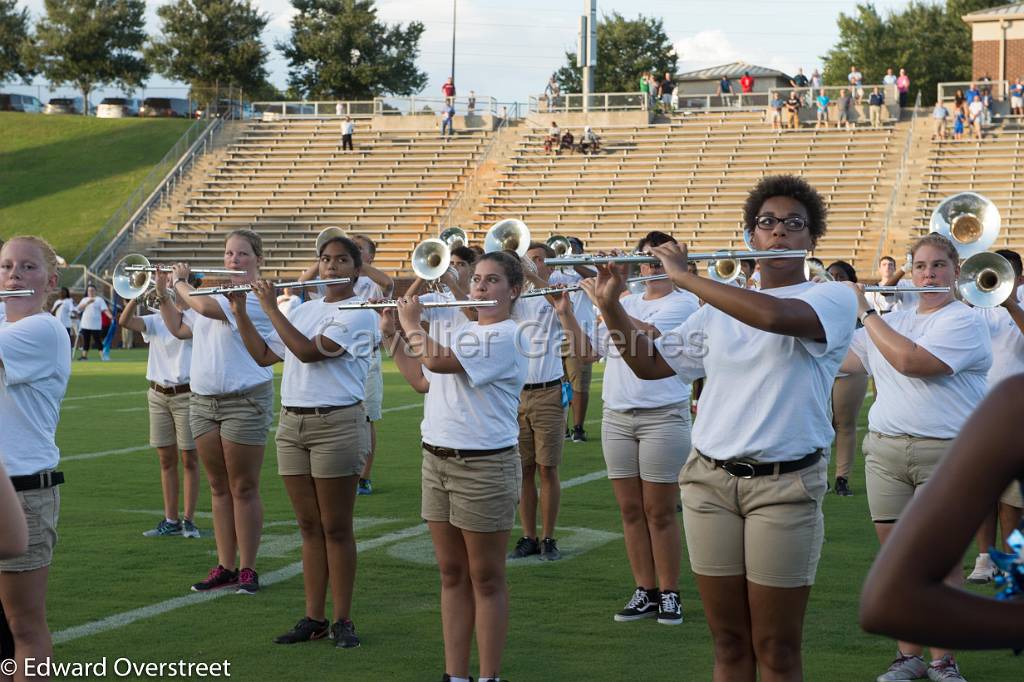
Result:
[905,596]
[303,347]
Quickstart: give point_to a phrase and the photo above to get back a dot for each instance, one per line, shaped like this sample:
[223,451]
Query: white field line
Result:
[104,395]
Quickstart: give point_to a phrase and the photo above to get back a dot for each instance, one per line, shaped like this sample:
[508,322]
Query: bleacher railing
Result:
[999,89]
[318,109]
[432,106]
[159,183]
[379,106]
[753,100]
[577,102]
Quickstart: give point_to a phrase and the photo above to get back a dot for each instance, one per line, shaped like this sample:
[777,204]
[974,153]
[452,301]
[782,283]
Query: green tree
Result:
[625,49]
[212,44]
[340,50]
[91,43]
[13,42]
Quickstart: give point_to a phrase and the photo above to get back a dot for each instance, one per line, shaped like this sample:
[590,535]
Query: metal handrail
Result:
[901,173]
[160,181]
[317,108]
[460,199]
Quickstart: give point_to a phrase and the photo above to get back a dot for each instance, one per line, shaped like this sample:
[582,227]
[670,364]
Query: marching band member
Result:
[454,283]
[645,437]
[937,354]
[91,309]
[230,409]
[323,437]
[752,487]
[167,370]
[471,470]
[1005,324]
[35,365]
[62,309]
[541,416]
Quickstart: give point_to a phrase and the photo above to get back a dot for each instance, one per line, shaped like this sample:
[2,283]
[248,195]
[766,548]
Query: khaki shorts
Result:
[479,494]
[578,374]
[374,390]
[41,507]
[541,426]
[168,420]
[242,417]
[768,528]
[651,443]
[327,445]
[1012,496]
[895,467]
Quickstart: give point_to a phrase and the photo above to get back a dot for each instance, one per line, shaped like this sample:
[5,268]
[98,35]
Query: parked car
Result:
[171,107]
[26,103]
[117,107]
[64,105]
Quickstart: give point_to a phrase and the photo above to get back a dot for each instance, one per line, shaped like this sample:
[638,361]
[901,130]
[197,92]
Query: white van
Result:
[118,107]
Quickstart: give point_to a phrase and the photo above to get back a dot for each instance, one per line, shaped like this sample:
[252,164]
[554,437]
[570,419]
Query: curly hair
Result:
[794,187]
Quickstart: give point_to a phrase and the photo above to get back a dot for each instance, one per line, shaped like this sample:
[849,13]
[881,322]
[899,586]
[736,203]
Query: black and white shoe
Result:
[525,546]
[549,550]
[643,604]
[670,611]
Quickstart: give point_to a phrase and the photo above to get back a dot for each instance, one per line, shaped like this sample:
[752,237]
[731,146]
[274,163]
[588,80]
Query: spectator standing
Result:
[777,103]
[939,114]
[665,89]
[959,99]
[1017,98]
[347,128]
[986,107]
[822,102]
[652,86]
[875,101]
[972,93]
[725,91]
[339,108]
[843,110]
[448,90]
[91,310]
[889,79]
[62,309]
[447,120]
[958,123]
[903,87]
[747,83]
[552,91]
[793,111]
[856,79]
[800,81]
[471,103]
[975,113]
[815,81]
[645,87]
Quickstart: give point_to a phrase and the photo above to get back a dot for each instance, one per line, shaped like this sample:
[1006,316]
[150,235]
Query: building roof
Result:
[734,70]
[1014,9]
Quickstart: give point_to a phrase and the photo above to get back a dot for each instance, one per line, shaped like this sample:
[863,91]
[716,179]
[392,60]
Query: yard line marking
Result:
[104,395]
[124,618]
[131,409]
[585,478]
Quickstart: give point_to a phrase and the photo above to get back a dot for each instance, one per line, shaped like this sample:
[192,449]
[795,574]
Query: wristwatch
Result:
[864,315]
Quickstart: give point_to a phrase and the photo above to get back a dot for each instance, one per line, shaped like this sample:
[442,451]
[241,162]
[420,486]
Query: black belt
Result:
[319,410]
[546,384]
[740,469]
[170,390]
[445,453]
[44,479]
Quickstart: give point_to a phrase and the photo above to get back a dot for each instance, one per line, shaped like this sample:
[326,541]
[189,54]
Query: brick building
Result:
[997,35]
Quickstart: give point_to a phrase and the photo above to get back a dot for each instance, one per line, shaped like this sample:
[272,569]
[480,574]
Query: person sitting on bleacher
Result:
[567,141]
[553,139]
[590,142]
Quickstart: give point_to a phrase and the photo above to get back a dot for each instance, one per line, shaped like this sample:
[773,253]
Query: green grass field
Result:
[62,177]
[114,593]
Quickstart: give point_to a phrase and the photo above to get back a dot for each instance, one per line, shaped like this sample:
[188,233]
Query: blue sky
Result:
[508,48]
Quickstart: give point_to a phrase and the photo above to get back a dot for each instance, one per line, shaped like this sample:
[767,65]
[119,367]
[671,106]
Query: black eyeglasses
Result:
[793,223]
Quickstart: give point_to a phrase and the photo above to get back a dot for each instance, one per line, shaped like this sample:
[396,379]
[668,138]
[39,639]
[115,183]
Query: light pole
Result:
[453,41]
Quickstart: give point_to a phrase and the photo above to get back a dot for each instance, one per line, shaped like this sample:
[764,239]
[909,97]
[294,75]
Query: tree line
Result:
[338,49]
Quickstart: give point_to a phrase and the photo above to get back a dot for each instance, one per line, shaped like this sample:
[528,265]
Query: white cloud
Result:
[712,47]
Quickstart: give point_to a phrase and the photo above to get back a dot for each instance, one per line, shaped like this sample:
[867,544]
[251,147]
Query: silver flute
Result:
[212,291]
[168,268]
[879,289]
[392,303]
[584,259]
[577,287]
[17,293]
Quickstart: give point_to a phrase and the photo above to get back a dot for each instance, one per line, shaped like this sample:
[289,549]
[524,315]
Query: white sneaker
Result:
[905,667]
[945,670]
[984,571]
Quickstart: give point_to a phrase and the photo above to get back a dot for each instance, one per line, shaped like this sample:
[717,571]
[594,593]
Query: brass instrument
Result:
[725,271]
[969,220]
[559,244]
[213,291]
[133,275]
[508,235]
[431,259]
[454,237]
[813,269]
[986,279]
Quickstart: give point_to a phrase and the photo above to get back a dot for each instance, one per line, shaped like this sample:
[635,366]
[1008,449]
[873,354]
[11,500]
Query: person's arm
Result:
[905,595]
[433,355]
[128,320]
[1013,307]
[204,305]
[254,342]
[409,366]
[852,364]
[786,316]
[414,288]
[173,318]
[579,344]
[14,531]
[303,347]
[312,272]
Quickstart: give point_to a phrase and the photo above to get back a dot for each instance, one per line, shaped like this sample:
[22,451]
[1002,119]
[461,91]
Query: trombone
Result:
[431,258]
[583,259]
[559,244]
[392,303]
[133,275]
[17,293]
[213,291]
[508,235]
[969,220]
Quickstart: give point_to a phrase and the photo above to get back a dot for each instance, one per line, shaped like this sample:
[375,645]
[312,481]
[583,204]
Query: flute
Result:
[17,293]
[391,303]
[879,289]
[576,287]
[211,291]
[647,258]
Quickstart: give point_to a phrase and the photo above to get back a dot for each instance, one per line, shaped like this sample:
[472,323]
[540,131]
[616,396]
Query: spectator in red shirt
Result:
[448,90]
[746,83]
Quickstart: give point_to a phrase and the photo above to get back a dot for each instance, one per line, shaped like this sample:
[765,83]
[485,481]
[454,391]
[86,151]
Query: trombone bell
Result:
[431,259]
[969,220]
[986,279]
[508,235]
[454,237]
[132,284]
[725,270]
[327,234]
[559,244]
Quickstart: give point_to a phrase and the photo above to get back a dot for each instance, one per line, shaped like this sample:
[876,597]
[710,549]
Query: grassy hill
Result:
[62,177]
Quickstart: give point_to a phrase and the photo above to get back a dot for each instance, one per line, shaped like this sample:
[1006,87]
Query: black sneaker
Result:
[643,604]
[217,578]
[579,435]
[549,550]
[670,611]
[306,630]
[525,547]
[248,582]
[344,634]
[843,487]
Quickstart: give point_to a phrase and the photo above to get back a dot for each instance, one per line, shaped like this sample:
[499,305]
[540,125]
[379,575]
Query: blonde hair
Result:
[939,242]
[49,255]
[254,239]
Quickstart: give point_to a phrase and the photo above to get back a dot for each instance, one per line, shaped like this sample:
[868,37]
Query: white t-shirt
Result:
[541,331]
[3,311]
[896,302]
[92,312]
[365,288]
[170,358]
[347,128]
[339,380]
[62,311]
[478,409]
[36,356]
[930,407]
[767,395]
[220,362]
[582,308]
[288,305]
[1007,344]
[622,389]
